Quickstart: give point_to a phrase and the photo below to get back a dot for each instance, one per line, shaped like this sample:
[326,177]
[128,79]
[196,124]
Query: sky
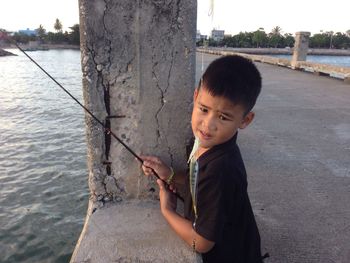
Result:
[229,15]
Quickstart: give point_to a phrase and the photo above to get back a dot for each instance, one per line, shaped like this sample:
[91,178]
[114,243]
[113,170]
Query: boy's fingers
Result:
[152,159]
[146,170]
[152,166]
[172,188]
[160,184]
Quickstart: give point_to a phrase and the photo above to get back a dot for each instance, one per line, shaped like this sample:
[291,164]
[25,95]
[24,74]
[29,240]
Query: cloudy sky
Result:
[231,15]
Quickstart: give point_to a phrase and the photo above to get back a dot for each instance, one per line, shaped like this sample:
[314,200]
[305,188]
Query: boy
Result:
[218,219]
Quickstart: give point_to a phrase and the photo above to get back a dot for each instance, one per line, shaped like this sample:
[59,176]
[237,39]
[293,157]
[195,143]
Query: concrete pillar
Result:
[301,47]
[138,62]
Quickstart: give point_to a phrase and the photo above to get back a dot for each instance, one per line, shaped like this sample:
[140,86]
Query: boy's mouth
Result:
[204,135]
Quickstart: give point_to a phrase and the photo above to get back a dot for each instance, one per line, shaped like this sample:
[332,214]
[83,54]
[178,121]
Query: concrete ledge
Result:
[130,231]
[5,53]
[285,51]
[317,68]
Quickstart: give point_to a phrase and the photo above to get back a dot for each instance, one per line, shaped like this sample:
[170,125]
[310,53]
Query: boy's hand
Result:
[168,200]
[152,162]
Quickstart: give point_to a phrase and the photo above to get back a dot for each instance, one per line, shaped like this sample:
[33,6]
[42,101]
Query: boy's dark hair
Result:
[235,78]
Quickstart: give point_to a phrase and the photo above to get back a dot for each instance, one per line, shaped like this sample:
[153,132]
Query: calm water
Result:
[343,61]
[43,175]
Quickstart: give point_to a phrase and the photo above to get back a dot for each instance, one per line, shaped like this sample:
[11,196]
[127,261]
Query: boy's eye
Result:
[223,118]
[203,109]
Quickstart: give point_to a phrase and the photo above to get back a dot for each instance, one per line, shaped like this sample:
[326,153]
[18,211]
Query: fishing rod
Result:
[107,130]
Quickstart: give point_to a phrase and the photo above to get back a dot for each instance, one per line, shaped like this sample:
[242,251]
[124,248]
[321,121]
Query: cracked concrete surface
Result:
[138,63]
[137,59]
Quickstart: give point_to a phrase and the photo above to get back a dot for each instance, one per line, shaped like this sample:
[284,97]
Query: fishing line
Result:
[107,130]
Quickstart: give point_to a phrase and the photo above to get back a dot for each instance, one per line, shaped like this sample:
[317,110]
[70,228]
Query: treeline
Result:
[275,39]
[58,37]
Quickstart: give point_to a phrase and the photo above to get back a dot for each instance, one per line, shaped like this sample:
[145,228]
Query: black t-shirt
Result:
[225,215]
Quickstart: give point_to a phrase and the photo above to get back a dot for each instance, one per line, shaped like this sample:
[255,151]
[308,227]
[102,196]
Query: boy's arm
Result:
[181,226]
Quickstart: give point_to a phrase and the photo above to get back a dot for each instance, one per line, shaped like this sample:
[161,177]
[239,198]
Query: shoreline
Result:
[27,47]
[283,51]
[254,51]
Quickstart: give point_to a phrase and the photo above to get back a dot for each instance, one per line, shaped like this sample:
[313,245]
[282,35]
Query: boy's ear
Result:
[195,94]
[247,119]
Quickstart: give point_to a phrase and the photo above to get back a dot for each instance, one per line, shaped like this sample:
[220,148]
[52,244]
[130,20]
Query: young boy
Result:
[218,219]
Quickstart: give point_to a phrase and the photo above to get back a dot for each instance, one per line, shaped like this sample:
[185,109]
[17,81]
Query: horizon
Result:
[262,29]
[226,15]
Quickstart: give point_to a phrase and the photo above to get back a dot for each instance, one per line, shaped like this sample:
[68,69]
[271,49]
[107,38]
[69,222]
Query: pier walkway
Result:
[297,153]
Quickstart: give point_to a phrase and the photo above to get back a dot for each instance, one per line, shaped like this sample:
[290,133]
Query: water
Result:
[43,174]
[343,61]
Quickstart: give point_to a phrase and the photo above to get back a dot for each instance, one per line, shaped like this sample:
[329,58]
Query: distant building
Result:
[200,37]
[217,35]
[28,32]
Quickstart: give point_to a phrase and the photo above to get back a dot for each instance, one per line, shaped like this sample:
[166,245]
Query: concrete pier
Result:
[297,153]
[138,61]
[316,68]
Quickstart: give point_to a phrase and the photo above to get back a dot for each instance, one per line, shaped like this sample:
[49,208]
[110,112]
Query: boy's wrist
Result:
[167,212]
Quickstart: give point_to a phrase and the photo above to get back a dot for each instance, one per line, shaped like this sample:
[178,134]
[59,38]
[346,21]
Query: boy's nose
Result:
[209,123]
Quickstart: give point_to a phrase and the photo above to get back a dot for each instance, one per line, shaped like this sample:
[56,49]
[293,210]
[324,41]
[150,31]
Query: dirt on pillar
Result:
[138,61]
[301,47]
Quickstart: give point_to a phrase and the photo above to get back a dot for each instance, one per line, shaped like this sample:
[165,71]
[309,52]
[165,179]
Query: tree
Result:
[212,42]
[276,41]
[58,26]
[348,33]
[259,38]
[289,40]
[74,35]
[244,39]
[330,35]
[319,41]
[23,38]
[276,31]
[341,40]
[229,41]
[41,32]
[275,37]
[56,38]
[200,42]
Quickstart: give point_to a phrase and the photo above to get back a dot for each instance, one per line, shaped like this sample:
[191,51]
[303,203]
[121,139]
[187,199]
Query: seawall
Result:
[316,68]
[284,51]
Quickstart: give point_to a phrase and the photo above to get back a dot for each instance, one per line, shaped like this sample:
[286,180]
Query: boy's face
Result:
[215,120]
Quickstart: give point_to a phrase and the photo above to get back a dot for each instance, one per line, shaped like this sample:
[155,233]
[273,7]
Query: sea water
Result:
[43,174]
[342,61]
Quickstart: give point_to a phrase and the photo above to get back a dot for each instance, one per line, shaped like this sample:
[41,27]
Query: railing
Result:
[316,68]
